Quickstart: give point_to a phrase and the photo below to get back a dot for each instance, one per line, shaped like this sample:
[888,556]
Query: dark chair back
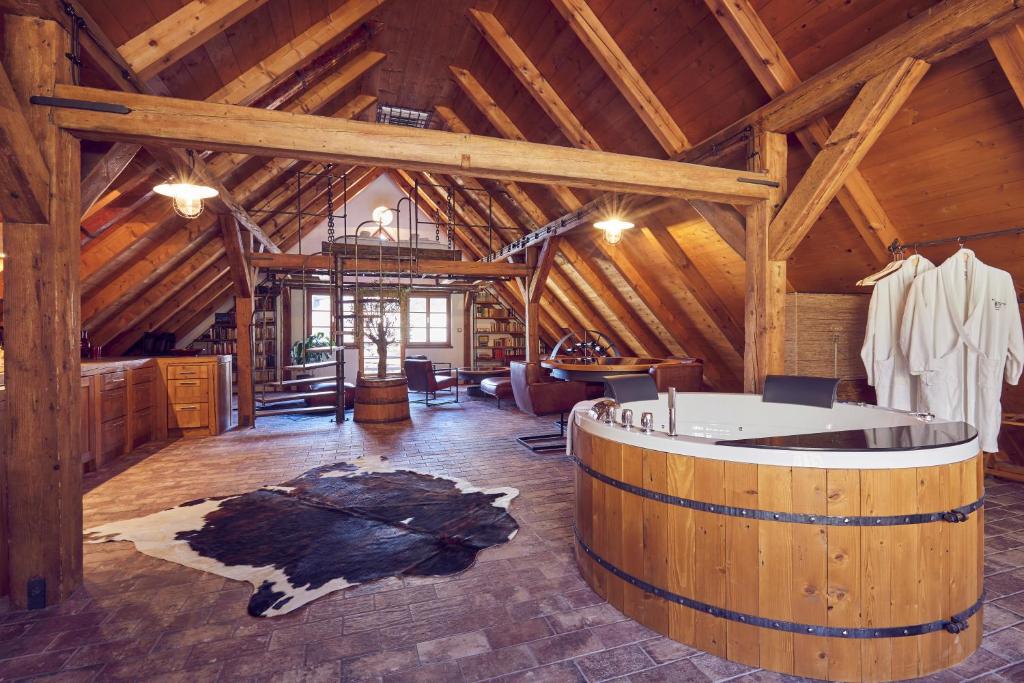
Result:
[819,392]
[631,388]
[538,394]
[687,375]
[420,373]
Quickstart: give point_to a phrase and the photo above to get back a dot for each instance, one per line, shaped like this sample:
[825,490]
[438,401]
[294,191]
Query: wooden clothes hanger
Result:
[890,268]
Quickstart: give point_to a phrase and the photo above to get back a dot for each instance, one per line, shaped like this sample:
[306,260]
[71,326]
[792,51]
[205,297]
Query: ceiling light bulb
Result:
[612,228]
[383,216]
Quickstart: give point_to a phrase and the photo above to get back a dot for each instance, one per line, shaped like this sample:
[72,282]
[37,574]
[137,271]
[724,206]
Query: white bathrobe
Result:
[883,358]
[961,333]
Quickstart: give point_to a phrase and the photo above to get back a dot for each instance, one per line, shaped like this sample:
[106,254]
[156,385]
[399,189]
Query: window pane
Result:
[417,335]
[439,320]
[321,302]
[417,320]
[417,303]
[438,335]
[320,318]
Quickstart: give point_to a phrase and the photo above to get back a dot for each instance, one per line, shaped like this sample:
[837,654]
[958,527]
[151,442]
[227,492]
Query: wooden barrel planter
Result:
[834,574]
[379,401]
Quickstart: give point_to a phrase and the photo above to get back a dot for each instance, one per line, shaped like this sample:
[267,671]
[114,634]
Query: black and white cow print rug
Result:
[333,527]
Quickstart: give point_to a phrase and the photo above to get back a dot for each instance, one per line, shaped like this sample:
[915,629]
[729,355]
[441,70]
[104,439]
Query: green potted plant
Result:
[307,350]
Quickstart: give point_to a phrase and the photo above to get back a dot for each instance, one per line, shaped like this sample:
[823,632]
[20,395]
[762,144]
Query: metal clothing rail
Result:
[896,246]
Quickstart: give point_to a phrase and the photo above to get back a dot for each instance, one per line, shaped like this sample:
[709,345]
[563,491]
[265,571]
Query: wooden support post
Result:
[531,307]
[765,305]
[246,390]
[43,470]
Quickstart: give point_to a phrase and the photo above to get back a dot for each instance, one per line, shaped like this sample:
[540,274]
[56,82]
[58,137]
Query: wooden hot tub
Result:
[841,544]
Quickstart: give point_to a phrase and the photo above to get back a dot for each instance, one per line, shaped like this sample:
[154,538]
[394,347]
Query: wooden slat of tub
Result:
[810,573]
[612,548]
[598,515]
[963,549]
[906,577]
[680,575]
[775,547]
[709,555]
[657,542]
[844,573]
[878,496]
[633,531]
[933,595]
[582,446]
[979,468]
[742,562]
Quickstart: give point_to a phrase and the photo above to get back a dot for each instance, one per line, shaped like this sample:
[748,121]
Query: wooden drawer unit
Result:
[112,438]
[113,404]
[113,380]
[187,416]
[144,374]
[142,395]
[143,426]
[85,411]
[188,371]
[189,390]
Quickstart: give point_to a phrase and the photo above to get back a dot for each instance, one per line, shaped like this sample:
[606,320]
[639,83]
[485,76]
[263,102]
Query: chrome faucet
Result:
[671,411]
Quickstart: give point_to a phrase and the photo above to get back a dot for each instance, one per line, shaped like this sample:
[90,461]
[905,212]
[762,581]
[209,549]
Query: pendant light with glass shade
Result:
[612,228]
[187,197]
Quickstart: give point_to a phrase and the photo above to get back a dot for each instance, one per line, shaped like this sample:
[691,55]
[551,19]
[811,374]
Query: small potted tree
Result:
[379,397]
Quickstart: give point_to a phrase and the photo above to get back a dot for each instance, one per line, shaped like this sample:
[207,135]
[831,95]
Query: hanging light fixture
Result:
[187,197]
[612,228]
[383,216]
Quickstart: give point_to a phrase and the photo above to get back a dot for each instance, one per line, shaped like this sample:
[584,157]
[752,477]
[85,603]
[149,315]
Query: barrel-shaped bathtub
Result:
[841,544]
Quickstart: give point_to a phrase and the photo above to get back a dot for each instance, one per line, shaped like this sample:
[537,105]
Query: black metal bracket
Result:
[955,624]
[954,516]
[66,103]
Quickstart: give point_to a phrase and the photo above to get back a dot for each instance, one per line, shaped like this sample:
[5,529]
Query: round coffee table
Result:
[473,378]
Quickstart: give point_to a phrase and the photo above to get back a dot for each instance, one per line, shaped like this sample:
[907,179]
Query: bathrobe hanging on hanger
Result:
[961,333]
[883,358]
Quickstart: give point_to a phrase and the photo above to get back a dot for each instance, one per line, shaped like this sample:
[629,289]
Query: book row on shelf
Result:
[504,326]
[492,311]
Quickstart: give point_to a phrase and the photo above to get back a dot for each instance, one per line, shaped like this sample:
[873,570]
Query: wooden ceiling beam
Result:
[531,78]
[944,30]
[24,176]
[175,121]
[185,29]
[599,42]
[1009,50]
[428,267]
[857,131]
[98,178]
[282,63]
[241,273]
[777,76]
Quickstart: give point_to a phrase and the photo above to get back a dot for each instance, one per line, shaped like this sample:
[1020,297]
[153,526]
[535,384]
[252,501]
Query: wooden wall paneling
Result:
[24,177]
[44,480]
[175,36]
[764,317]
[858,130]
[775,73]
[951,27]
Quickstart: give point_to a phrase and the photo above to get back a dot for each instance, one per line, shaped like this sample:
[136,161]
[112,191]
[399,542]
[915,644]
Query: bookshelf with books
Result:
[499,335]
[265,330]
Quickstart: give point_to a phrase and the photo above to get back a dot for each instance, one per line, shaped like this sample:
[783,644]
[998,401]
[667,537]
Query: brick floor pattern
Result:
[521,613]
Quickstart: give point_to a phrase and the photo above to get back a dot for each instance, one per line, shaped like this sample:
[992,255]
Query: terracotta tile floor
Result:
[520,614]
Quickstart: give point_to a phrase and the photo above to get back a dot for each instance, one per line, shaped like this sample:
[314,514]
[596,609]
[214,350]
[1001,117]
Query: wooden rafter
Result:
[98,179]
[281,63]
[599,42]
[860,127]
[185,29]
[24,177]
[777,76]
[1009,50]
[316,138]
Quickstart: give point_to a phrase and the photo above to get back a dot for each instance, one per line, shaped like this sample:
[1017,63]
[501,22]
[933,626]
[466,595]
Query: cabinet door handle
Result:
[189,408]
[188,384]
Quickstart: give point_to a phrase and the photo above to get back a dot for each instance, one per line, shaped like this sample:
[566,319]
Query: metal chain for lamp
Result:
[330,204]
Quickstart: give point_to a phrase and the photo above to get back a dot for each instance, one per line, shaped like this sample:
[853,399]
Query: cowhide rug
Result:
[333,527]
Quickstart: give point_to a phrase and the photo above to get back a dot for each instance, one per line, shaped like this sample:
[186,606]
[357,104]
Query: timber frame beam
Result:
[421,267]
[149,119]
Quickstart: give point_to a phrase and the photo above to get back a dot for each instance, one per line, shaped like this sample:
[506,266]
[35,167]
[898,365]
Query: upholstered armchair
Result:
[538,394]
[424,378]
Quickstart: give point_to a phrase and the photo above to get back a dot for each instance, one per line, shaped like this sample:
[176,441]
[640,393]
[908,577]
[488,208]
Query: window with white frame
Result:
[429,320]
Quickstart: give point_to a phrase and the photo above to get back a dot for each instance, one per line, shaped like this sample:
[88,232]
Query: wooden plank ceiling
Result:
[644,78]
